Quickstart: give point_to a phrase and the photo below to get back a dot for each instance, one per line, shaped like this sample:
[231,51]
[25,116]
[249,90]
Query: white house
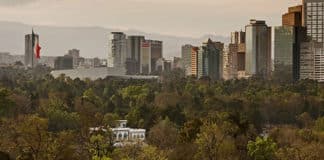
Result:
[123,134]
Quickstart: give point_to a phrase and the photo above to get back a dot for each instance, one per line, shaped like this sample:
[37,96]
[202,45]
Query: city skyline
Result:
[189,18]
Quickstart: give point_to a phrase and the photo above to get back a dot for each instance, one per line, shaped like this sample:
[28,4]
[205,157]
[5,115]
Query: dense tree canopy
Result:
[46,118]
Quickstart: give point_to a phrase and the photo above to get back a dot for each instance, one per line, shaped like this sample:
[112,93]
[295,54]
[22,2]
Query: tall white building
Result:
[117,50]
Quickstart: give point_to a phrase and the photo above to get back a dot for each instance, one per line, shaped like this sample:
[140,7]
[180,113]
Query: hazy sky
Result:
[177,17]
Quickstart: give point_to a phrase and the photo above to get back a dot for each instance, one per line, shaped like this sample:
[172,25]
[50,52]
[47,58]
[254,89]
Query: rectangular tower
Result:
[258,49]
[31,60]
[313,14]
[117,50]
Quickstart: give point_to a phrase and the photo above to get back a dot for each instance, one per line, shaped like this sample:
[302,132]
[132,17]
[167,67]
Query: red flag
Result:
[37,47]
[37,50]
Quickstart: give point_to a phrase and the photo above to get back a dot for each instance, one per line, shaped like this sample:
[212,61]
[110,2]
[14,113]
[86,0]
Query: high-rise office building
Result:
[145,66]
[238,37]
[284,43]
[156,53]
[234,58]
[117,50]
[308,52]
[220,47]
[258,49]
[186,51]
[294,16]
[133,54]
[230,61]
[313,20]
[241,58]
[287,39]
[209,60]
[31,59]
[151,52]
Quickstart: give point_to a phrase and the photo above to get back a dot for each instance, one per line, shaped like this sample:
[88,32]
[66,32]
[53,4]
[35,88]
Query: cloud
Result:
[15,2]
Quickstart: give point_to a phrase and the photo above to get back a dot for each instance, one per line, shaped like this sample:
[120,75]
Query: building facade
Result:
[234,58]
[186,51]
[258,49]
[145,66]
[133,59]
[287,51]
[209,60]
[75,54]
[30,56]
[313,19]
[294,16]
[117,50]
[156,53]
[194,61]
[63,63]
[308,53]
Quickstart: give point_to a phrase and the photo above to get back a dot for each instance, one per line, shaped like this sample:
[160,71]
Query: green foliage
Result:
[262,149]
[59,118]
[100,148]
[163,135]
[42,117]
[214,144]
[319,124]
[5,103]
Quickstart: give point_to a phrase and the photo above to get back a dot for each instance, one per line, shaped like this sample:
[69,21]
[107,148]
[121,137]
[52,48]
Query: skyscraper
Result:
[287,40]
[145,66]
[209,60]
[31,59]
[156,53]
[186,51]
[134,54]
[294,16]
[234,58]
[313,15]
[308,52]
[258,49]
[117,50]
[194,61]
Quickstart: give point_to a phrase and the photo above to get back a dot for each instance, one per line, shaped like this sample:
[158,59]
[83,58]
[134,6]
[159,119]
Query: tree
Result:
[5,103]
[163,135]
[100,148]
[319,124]
[189,131]
[152,153]
[213,144]
[262,149]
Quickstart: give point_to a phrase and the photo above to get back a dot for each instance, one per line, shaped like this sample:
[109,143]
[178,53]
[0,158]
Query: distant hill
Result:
[92,41]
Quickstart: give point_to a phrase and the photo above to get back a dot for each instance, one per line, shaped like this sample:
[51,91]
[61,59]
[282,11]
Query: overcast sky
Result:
[192,18]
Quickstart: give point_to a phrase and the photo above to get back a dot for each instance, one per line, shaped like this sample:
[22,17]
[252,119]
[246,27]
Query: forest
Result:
[46,118]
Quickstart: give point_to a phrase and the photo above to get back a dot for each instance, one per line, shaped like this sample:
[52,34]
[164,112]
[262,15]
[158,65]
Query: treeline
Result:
[46,118]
